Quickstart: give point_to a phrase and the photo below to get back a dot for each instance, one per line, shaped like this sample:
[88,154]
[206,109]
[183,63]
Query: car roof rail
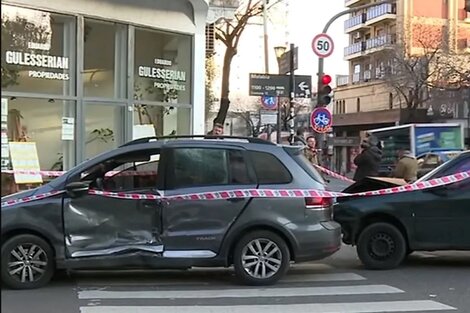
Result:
[156,138]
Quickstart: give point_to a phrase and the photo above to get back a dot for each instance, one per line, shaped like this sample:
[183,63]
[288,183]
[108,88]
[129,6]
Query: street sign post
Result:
[284,61]
[322,45]
[269,85]
[321,120]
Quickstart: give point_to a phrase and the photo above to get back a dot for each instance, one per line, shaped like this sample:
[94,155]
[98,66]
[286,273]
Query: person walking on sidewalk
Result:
[407,166]
[368,160]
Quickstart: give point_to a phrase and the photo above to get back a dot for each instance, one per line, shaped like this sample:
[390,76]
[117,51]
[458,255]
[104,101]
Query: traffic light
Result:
[324,91]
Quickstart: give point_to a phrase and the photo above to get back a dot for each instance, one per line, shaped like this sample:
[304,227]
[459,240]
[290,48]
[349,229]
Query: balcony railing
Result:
[386,8]
[342,80]
[353,49]
[379,41]
[354,21]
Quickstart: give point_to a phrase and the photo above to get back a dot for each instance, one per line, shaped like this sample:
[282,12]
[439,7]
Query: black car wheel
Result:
[381,246]
[27,262]
[261,258]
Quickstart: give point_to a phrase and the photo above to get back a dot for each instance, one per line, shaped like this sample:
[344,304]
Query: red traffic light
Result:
[326,79]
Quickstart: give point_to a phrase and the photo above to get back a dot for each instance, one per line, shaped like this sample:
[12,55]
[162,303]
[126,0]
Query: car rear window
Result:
[299,157]
[268,168]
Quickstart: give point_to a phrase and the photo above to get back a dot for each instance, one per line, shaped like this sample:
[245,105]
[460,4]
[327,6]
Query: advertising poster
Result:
[438,138]
[24,157]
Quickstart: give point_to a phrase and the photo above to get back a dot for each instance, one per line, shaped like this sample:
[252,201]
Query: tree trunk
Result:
[224,94]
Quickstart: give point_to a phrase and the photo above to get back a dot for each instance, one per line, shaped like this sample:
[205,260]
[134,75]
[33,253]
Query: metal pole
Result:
[265,30]
[279,120]
[291,90]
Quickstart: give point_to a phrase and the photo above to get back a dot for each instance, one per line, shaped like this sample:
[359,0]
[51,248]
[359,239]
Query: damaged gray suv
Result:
[77,229]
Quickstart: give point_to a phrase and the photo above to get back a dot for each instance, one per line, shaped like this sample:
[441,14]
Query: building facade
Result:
[81,77]
[362,99]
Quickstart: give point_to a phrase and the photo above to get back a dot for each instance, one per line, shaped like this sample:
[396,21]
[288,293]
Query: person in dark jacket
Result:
[299,138]
[368,160]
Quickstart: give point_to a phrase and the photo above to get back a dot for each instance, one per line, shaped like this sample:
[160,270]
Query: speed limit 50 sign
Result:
[322,45]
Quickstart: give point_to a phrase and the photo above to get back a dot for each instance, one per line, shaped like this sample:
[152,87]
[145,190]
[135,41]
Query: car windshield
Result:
[438,169]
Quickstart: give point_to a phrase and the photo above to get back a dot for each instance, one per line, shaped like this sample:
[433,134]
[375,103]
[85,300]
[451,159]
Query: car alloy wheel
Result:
[27,262]
[261,258]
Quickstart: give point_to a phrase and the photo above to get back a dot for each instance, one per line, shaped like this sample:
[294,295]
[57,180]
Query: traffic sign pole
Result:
[320,139]
[291,93]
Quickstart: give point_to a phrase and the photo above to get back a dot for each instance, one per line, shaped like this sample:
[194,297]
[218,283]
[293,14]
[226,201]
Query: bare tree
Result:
[422,62]
[210,75]
[229,33]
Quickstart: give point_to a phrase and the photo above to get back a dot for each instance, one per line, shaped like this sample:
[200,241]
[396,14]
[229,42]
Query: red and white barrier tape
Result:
[259,193]
[333,174]
[60,173]
[32,198]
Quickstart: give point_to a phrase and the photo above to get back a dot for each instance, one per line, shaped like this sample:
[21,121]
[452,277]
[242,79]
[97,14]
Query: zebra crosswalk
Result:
[309,288]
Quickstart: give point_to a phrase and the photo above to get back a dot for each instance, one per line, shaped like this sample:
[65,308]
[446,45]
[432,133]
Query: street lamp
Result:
[279,51]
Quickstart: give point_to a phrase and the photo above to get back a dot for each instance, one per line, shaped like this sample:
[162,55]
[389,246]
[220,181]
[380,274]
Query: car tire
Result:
[30,259]
[381,246]
[261,253]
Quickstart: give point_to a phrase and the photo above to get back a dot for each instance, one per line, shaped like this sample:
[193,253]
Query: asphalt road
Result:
[427,282]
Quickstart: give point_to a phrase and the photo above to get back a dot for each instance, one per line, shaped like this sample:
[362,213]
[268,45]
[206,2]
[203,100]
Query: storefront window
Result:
[162,67]
[105,59]
[150,120]
[103,128]
[38,51]
[42,121]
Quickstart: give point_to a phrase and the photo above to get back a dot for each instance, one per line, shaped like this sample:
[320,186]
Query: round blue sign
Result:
[321,120]
[268,102]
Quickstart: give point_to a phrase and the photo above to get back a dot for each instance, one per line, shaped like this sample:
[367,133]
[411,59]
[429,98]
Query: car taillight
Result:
[319,203]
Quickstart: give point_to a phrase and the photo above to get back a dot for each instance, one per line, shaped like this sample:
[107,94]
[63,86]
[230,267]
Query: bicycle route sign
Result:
[321,120]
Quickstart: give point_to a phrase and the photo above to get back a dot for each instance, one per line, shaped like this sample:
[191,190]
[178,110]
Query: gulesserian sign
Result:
[166,78]
[32,59]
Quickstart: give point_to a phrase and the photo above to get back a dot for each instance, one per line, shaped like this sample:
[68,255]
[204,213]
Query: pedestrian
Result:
[299,138]
[407,166]
[368,160]
[217,130]
[311,152]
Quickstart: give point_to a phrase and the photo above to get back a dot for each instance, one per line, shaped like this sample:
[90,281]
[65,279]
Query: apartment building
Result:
[362,99]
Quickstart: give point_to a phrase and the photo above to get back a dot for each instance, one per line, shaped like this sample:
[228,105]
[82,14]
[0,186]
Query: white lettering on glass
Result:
[160,73]
[37,60]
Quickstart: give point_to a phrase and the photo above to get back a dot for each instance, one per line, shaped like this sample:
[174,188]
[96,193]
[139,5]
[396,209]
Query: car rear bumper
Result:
[316,241]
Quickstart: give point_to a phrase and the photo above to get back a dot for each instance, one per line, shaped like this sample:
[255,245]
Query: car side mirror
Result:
[77,189]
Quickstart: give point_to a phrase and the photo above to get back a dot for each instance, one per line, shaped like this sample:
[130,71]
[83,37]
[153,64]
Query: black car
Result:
[77,229]
[387,228]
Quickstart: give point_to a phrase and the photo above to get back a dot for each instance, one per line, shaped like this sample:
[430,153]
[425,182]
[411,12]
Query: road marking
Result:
[240,293]
[186,282]
[350,307]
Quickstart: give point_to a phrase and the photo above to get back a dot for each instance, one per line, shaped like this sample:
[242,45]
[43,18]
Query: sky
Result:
[307,18]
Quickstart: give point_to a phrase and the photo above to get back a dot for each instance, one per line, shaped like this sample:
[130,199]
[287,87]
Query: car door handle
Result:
[236,199]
